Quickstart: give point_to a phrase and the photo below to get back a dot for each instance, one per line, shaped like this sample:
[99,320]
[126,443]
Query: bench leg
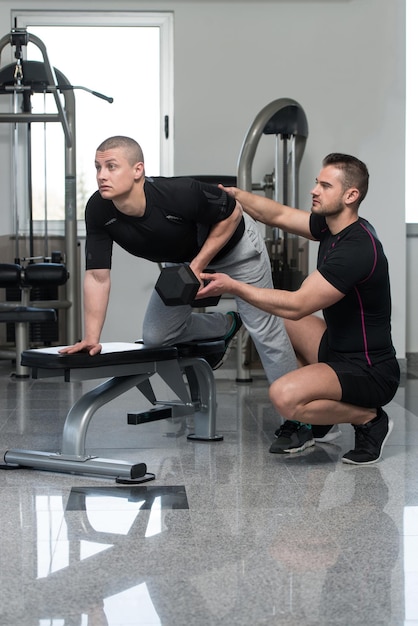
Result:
[199,401]
[203,391]
[73,457]
[80,415]
[35,459]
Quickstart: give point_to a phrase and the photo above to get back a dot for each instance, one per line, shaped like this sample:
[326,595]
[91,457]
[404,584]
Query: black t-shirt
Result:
[178,216]
[353,262]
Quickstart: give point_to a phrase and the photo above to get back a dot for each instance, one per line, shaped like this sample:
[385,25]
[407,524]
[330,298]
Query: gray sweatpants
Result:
[248,262]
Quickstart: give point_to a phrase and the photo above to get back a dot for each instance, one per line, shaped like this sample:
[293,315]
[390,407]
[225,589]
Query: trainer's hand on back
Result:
[82,346]
[231,191]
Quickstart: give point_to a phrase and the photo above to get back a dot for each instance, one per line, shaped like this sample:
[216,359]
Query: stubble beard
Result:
[327,211]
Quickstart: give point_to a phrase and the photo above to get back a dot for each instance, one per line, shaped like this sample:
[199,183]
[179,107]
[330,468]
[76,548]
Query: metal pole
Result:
[244,176]
[71,241]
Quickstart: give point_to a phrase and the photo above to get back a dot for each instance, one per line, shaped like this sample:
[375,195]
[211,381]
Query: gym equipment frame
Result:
[286,119]
[45,78]
[184,368]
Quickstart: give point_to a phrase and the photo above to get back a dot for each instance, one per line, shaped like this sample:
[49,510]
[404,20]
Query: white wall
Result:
[342,60]
[411,289]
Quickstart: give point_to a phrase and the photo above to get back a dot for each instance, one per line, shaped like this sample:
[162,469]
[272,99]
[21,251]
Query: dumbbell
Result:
[177,285]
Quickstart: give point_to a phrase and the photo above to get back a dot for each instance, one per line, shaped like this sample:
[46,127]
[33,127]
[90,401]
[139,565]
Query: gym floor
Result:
[227,534]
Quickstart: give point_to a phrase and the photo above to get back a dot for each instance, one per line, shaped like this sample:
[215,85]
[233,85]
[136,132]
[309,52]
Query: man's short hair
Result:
[354,172]
[131,147]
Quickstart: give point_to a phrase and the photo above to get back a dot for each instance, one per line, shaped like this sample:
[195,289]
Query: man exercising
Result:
[349,370]
[175,220]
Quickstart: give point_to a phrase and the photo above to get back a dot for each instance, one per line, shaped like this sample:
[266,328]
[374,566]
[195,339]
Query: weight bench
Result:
[184,368]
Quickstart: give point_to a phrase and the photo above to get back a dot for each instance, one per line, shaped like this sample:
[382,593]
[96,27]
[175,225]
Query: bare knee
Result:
[282,394]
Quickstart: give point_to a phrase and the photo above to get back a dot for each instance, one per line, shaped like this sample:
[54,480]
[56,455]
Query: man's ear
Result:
[352,195]
[138,170]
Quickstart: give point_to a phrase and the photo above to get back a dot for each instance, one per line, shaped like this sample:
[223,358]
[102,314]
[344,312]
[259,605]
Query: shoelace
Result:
[363,438]
[286,430]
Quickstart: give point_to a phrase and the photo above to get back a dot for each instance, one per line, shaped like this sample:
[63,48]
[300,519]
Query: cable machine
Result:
[285,119]
[20,80]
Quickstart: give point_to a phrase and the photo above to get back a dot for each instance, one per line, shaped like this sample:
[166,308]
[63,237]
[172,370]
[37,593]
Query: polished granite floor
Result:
[227,534]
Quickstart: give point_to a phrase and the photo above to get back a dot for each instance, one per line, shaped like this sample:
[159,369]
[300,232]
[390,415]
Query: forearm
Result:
[272,213]
[315,294]
[219,235]
[279,302]
[96,299]
[260,208]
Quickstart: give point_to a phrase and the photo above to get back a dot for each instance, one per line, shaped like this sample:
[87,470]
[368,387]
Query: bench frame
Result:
[183,368]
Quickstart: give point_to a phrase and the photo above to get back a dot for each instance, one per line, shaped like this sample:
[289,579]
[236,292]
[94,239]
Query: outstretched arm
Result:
[96,292]
[272,213]
[315,294]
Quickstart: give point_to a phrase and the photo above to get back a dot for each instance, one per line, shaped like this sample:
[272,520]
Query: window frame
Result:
[22,18]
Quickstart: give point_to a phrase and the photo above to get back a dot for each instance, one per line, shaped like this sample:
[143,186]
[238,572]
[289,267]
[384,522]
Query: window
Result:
[124,56]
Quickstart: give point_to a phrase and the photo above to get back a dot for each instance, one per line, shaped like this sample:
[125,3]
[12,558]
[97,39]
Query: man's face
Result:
[114,174]
[328,193]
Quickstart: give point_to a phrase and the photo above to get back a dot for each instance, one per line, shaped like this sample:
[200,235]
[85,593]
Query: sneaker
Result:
[325,434]
[235,327]
[369,440]
[292,437]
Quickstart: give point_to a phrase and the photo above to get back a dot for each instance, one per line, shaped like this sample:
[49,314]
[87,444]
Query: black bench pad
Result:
[112,353]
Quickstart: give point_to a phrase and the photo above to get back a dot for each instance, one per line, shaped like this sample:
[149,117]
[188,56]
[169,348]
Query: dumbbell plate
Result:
[177,285]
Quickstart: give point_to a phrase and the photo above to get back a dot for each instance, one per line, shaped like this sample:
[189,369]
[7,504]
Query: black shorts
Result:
[361,384]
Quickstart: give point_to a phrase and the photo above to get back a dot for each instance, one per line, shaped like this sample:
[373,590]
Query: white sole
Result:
[307,444]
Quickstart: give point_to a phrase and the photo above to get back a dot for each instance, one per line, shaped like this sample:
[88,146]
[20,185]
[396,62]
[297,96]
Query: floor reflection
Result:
[227,534]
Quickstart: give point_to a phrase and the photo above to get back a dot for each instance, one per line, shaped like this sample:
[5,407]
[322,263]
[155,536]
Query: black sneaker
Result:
[369,440]
[321,434]
[325,434]
[292,437]
[235,327]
